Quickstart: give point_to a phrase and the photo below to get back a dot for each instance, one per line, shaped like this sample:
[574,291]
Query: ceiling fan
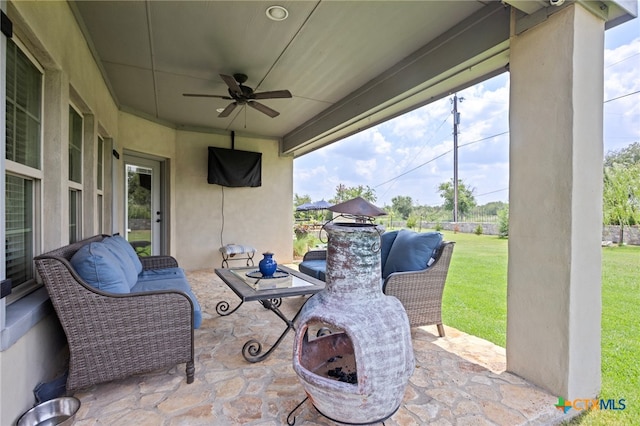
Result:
[244,95]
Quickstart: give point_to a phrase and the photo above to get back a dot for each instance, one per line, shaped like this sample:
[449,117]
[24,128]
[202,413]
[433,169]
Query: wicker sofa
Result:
[116,335]
[416,275]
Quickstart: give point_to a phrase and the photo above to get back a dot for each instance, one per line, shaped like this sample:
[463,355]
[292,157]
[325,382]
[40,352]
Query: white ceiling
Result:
[348,64]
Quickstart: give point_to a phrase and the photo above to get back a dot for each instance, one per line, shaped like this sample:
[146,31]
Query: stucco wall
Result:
[206,216]
[39,356]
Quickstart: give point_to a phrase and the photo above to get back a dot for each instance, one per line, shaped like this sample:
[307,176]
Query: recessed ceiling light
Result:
[219,110]
[277,13]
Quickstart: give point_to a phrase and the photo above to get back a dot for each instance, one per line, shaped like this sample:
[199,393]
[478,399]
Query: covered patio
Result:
[94,88]
[459,379]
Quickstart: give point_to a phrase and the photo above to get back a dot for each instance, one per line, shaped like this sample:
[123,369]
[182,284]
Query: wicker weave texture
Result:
[114,336]
[421,291]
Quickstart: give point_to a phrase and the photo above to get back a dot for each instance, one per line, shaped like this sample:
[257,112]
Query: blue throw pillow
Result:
[98,267]
[411,251]
[124,244]
[124,260]
[386,241]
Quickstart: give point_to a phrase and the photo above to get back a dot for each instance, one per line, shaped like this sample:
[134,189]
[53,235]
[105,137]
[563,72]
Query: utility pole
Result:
[456,122]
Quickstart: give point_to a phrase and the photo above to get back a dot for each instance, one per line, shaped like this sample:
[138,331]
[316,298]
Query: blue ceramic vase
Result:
[267,265]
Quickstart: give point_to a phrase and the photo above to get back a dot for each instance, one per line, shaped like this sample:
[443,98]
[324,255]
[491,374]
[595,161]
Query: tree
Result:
[621,196]
[299,200]
[621,191]
[503,222]
[466,200]
[403,205]
[344,193]
[627,156]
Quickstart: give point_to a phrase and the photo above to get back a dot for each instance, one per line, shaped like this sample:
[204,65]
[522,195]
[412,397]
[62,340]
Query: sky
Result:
[412,155]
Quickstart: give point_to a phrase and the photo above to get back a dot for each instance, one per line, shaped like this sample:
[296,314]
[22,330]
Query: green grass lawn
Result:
[475,301]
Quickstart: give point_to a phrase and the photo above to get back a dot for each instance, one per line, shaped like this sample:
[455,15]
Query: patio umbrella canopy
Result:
[317,205]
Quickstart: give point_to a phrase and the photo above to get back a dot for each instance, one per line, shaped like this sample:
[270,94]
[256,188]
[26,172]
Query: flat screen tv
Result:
[234,168]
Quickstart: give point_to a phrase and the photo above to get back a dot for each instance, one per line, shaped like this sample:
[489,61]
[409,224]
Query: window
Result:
[100,168]
[19,229]
[75,146]
[75,175]
[23,154]
[75,208]
[99,187]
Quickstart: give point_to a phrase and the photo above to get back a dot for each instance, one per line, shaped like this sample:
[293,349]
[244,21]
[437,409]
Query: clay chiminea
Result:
[357,374]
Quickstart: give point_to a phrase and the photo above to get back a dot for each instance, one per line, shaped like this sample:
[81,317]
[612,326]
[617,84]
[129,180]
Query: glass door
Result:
[144,216]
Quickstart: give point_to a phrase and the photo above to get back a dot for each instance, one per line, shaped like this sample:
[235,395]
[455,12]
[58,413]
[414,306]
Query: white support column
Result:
[554,293]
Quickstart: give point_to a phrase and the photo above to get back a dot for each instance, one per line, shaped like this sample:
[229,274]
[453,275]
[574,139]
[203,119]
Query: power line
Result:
[483,139]
[415,168]
[622,96]
[622,60]
[492,192]
[439,156]
[419,152]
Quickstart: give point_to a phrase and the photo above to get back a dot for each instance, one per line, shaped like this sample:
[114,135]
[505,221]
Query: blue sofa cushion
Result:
[124,261]
[99,268]
[386,241]
[128,249]
[411,251]
[161,274]
[178,284]
[314,268]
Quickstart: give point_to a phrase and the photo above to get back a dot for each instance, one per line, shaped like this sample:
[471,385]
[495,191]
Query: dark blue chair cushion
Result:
[411,251]
[386,241]
[314,268]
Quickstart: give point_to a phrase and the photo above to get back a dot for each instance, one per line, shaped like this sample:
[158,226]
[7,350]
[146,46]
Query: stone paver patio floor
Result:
[458,380]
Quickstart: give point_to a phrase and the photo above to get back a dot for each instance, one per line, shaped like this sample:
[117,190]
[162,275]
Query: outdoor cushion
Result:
[127,248]
[314,268]
[161,274]
[177,284]
[123,260]
[386,241]
[411,251]
[99,268]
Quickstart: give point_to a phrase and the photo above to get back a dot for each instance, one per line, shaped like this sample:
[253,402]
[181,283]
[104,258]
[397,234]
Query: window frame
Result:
[36,175]
[73,186]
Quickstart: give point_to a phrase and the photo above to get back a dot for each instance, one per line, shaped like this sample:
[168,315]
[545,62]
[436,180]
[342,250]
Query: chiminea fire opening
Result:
[329,355]
[358,373]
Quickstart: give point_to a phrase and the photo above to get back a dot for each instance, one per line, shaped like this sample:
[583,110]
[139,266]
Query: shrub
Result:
[438,226]
[301,231]
[478,230]
[456,228]
[412,221]
[503,222]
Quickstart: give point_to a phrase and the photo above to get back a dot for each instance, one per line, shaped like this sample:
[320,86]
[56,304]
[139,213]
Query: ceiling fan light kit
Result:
[244,95]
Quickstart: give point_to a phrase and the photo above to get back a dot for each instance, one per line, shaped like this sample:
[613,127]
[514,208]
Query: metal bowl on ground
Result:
[57,411]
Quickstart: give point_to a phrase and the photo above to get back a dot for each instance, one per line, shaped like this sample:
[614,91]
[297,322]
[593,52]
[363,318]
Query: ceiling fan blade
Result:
[202,95]
[272,94]
[228,110]
[232,83]
[264,109]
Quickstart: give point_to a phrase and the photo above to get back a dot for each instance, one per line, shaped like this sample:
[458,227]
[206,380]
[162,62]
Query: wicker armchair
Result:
[421,291]
[113,336]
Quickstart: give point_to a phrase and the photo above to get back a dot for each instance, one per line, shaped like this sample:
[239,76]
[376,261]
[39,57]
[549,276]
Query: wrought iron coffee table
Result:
[271,298]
